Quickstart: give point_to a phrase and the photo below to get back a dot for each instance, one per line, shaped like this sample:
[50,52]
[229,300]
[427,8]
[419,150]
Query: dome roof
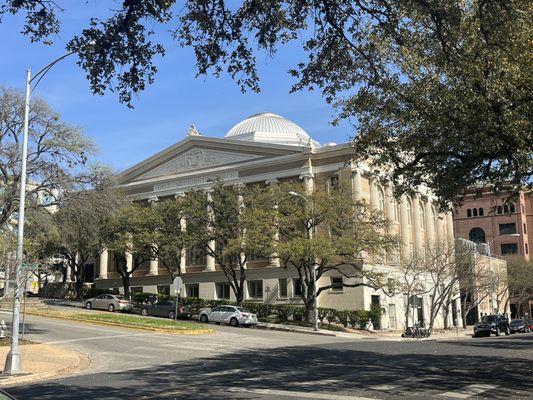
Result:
[270,128]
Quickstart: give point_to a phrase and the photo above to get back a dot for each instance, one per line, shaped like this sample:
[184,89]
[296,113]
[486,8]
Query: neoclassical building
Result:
[269,148]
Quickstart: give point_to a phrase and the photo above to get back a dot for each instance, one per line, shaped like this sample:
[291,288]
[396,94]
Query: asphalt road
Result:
[239,363]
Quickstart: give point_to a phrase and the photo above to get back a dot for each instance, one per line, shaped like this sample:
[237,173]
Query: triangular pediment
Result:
[200,154]
[195,159]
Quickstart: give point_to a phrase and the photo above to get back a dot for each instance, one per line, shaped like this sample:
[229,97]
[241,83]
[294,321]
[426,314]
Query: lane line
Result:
[468,391]
[292,393]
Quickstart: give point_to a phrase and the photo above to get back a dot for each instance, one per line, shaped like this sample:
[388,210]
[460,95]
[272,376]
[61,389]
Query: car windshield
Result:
[517,321]
[243,310]
[489,318]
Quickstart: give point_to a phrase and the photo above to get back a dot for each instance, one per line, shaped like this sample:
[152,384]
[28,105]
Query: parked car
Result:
[166,309]
[109,302]
[232,315]
[6,396]
[529,323]
[519,325]
[496,324]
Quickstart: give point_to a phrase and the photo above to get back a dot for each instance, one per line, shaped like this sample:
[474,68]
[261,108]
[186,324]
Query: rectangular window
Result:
[336,284]
[296,287]
[192,290]
[509,248]
[255,289]
[282,288]
[333,183]
[163,289]
[507,229]
[527,250]
[196,256]
[136,289]
[222,290]
[525,230]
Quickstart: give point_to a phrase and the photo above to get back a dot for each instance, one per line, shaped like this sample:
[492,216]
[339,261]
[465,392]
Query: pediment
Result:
[195,159]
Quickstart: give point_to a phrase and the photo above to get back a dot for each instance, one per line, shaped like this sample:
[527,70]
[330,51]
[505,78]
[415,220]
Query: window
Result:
[422,216]
[500,210]
[509,248]
[282,288]
[196,256]
[474,212]
[296,287]
[469,213]
[507,229]
[512,208]
[336,284]
[333,183]
[163,289]
[481,212]
[506,209]
[477,235]
[136,289]
[222,290]
[396,211]
[255,289]
[527,250]
[525,230]
[409,213]
[192,290]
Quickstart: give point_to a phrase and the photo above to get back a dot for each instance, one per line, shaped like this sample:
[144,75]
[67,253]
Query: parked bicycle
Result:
[416,332]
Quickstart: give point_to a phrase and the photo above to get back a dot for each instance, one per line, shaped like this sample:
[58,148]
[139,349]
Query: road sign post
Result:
[177,284]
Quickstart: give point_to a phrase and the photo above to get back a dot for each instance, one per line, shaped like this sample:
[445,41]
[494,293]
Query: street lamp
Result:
[490,266]
[311,235]
[13,362]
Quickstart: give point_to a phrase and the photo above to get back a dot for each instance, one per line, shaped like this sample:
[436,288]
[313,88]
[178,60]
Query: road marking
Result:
[468,391]
[292,393]
[384,387]
[97,338]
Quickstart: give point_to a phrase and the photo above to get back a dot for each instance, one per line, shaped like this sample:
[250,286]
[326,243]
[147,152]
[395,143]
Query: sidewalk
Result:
[42,361]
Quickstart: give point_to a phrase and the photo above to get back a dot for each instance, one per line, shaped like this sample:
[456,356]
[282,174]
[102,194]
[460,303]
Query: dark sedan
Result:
[519,325]
[492,324]
[166,309]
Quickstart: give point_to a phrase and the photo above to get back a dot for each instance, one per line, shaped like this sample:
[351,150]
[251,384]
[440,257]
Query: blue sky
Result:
[164,111]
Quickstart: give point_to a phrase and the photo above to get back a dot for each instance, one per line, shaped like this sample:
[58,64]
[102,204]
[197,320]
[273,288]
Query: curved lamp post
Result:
[13,362]
[311,235]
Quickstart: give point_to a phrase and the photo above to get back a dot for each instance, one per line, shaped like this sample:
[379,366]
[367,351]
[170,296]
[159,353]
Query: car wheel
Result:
[111,308]
[234,322]
[144,312]
[171,314]
[88,305]
[204,319]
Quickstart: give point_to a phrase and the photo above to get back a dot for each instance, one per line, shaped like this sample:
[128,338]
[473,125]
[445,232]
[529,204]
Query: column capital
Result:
[179,195]
[153,199]
[271,181]
[308,175]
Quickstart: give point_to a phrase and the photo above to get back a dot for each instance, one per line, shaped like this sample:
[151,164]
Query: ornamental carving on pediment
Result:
[197,158]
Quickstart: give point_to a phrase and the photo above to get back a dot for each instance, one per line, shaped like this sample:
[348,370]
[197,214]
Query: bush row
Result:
[358,319]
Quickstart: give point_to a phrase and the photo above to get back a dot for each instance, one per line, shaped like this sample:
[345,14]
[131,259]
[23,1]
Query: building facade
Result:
[269,149]
[505,227]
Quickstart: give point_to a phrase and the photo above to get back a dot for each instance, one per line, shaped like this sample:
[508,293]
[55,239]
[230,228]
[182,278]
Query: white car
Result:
[232,315]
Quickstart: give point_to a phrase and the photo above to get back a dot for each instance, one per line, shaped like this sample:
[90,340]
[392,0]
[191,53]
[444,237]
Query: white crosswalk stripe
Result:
[468,391]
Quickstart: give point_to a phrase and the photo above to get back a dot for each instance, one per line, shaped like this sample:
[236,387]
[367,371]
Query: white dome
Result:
[270,128]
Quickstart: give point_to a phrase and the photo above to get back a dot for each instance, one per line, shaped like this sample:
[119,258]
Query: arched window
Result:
[469,213]
[422,216]
[500,210]
[396,207]
[505,209]
[477,235]
[409,212]
[435,219]
[474,212]
[480,211]
[512,209]
[381,200]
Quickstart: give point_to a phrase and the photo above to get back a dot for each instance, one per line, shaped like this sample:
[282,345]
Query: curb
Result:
[294,330]
[142,328]
[83,362]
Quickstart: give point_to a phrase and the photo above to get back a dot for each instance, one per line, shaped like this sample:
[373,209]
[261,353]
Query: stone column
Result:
[104,256]
[68,273]
[309,182]
[274,259]
[441,234]
[356,184]
[430,228]
[374,196]
[129,261]
[417,230]
[449,226]
[210,260]
[183,254]
[154,266]
[240,200]
[404,228]
[389,207]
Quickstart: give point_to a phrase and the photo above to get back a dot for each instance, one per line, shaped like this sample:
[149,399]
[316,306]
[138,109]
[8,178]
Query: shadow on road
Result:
[325,368]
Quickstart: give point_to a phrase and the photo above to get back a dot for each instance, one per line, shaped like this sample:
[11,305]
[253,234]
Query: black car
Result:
[519,325]
[496,324]
[166,309]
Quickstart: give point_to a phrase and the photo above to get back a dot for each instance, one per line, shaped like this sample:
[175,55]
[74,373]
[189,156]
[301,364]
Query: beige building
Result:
[269,148]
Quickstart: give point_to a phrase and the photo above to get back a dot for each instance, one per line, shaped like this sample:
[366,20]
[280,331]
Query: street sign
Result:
[177,284]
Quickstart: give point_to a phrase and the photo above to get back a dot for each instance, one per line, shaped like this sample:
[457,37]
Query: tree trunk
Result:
[126,284]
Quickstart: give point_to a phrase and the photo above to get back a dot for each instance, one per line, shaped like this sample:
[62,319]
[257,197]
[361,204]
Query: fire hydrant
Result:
[3,327]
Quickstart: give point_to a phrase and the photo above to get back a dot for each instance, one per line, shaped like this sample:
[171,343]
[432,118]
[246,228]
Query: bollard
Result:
[3,327]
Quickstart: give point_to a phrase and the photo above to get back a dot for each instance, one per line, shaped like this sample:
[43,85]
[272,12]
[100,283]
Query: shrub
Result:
[343,316]
[331,315]
[262,310]
[375,314]
[323,313]
[283,312]
[142,298]
[359,319]
[93,292]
